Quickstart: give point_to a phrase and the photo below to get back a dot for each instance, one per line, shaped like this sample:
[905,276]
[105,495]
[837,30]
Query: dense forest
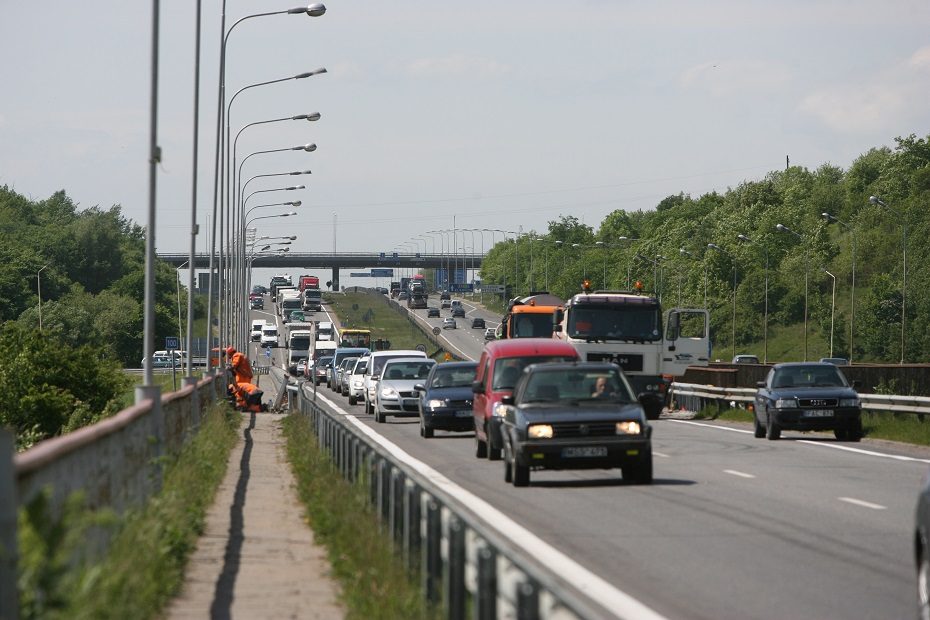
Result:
[667,250]
[90,266]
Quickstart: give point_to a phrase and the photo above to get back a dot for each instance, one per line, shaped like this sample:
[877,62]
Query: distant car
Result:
[432,312]
[301,367]
[321,369]
[341,374]
[446,398]
[445,295]
[477,323]
[836,361]
[160,361]
[559,417]
[490,333]
[257,304]
[402,295]
[807,396]
[745,359]
[297,316]
[395,392]
[448,323]
[445,303]
[458,311]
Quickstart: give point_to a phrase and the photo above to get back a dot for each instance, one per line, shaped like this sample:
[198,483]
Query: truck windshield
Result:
[614,322]
[531,325]
[300,343]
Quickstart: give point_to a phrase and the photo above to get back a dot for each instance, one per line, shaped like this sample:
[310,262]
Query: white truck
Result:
[313,299]
[288,300]
[298,344]
[269,335]
[625,327]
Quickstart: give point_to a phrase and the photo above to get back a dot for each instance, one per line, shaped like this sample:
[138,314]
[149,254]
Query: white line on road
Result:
[819,444]
[664,456]
[741,474]
[860,502]
[599,590]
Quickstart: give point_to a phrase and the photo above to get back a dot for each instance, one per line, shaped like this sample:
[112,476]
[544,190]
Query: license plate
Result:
[819,413]
[584,452]
[463,414]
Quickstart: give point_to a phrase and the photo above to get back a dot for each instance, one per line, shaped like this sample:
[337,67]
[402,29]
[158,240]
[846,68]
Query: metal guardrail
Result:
[461,555]
[693,397]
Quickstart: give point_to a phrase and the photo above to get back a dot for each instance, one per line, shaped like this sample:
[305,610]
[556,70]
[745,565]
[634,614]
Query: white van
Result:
[269,335]
[376,360]
[257,327]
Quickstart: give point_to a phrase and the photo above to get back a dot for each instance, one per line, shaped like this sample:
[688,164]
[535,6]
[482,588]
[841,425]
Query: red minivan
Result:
[501,364]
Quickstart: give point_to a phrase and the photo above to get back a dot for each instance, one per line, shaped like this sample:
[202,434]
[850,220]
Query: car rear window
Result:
[408,370]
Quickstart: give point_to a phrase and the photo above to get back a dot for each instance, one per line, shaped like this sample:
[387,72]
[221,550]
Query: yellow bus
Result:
[355,338]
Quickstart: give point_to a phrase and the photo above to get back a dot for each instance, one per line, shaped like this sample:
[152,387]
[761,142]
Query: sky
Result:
[476,114]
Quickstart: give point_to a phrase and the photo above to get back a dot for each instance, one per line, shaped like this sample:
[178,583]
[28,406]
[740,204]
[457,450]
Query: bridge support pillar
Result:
[335,279]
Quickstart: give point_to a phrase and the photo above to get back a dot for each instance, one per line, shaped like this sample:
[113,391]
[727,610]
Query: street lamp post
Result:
[832,309]
[39,290]
[714,246]
[765,315]
[177,273]
[852,294]
[783,228]
[878,201]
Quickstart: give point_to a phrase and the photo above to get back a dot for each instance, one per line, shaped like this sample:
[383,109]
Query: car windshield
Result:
[615,322]
[531,325]
[348,362]
[453,377]
[808,376]
[559,386]
[406,371]
[360,367]
[379,362]
[507,369]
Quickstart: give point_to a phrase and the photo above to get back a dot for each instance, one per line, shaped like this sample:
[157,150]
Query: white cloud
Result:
[921,58]
[727,77]
[457,65]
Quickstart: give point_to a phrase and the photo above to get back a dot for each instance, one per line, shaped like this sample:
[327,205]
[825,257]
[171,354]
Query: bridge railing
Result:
[694,397]
[461,554]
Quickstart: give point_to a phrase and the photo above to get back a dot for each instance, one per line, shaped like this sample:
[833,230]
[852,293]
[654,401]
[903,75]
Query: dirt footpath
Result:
[257,557]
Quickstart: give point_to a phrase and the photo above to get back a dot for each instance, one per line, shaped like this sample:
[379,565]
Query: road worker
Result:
[239,365]
[248,396]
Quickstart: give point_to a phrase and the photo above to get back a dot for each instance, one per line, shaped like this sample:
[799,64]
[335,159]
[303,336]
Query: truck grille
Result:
[628,362]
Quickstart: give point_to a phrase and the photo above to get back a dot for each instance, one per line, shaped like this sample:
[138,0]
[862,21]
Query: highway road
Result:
[733,526]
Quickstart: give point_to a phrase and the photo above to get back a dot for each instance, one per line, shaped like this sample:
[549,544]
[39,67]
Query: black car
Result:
[432,311]
[477,323]
[458,311]
[574,415]
[445,295]
[446,398]
[807,396]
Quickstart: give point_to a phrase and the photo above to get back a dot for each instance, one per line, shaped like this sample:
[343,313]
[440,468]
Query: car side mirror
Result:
[419,387]
[507,399]
[476,387]
[760,384]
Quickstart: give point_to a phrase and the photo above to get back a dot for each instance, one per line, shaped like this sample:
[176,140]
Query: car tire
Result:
[352,399]
[757,428]
[923,583]
[641,472]
[380,417]
[841,434]
[521,473]
[427,432]
[772,429]
[508,471]
[481,447]
[494,454]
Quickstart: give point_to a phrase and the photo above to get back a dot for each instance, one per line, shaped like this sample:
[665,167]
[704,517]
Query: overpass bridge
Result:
[342,260]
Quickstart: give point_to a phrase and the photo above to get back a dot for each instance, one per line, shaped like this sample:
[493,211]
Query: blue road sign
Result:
[171,343]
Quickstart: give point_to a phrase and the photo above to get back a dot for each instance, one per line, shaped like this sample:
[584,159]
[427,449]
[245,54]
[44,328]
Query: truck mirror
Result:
[674,325]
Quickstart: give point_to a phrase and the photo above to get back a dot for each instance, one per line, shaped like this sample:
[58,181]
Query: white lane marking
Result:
[440,335]
[740,474]
[861,502]
[664,456]
[819,444]
[599,590]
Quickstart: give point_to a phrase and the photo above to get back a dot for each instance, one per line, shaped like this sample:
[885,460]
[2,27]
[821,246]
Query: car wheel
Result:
[641,472]
[380,417]
[841,434]
[772,429]
[481,447]
[508,471]
[425,431]
[923,585]
[855,433]
[352,399]
[758,429]
[494,454]
[521,473]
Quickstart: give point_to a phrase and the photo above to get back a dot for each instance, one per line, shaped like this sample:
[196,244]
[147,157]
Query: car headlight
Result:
[539,431]
[850,402]
[435,403]
[358,384]
[388,392]
[786,403]
[630,427]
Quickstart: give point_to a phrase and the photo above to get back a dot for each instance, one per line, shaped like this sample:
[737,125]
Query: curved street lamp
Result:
[784,229]
[878,201]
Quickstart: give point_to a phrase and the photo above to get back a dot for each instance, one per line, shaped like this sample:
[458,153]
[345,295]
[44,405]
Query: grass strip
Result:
[903,427]
[374,580]
[372,311]
[144,566]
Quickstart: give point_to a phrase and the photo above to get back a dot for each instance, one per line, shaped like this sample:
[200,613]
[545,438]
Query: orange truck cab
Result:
[501,364]
[530,316]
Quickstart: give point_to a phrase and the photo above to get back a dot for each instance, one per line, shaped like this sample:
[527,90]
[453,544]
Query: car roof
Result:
[407,359]
[576,366]
[514,347]
[398,353]
[457,365]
